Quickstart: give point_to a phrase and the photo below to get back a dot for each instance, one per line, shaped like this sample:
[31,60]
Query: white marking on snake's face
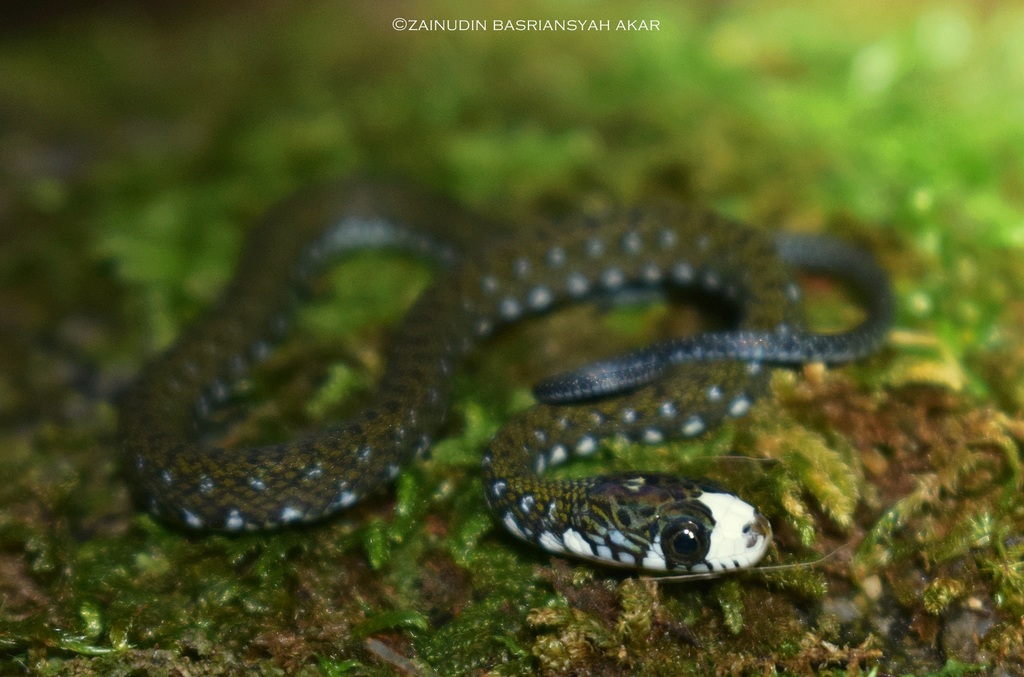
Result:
[513,526]
[550,542]
[654,557]
[574,542]
[741,534]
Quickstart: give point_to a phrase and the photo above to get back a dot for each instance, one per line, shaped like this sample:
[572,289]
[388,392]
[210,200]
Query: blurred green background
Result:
[137,142]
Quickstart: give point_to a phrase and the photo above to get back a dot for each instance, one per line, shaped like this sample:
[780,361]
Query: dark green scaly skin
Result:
[642,520]
[717,254]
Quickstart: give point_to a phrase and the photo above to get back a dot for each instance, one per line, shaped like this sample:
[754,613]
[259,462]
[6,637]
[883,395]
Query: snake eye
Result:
[685,542]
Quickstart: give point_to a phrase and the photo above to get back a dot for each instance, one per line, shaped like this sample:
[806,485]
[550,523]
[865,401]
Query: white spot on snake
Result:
[290,514]
[753,368]
[483,328]
[167,477]
[711,280]
[714,394]
[540,464]
[595,248]
[521,267]
[793,292]
[597,418]
[393,471]
[651,273]
[526,503]
[234,522]
[692,426]
[653,436]
[260,351]
[363,454]
[540,298]
[555,257]
[279,325]
[577,285]
[257,484]
[344,499]
[191,519]
[540,436]
[510,308]
[559,454]
[218,391]
[682,272]
[667,409]
[489,284]
[703,242]
[629,415]
[631,242]
[550,542]
[487,460]
[206,484]
[617,537]
[498,488]
[604,552]
[626,558]
[739,406]
[612,278]
[314,471]
[668,239]
[586,446]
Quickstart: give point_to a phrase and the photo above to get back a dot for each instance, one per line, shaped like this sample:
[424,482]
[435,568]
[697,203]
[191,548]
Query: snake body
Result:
[647,521]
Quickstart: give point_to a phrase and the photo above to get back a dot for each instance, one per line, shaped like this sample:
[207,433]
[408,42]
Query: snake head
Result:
[663,523]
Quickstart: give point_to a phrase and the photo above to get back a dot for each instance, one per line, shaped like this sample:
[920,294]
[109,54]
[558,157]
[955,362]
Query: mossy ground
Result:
[135,148]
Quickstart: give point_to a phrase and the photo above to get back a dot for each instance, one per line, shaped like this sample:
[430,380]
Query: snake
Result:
[490,276]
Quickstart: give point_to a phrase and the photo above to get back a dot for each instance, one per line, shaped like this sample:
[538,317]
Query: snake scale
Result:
[676,390]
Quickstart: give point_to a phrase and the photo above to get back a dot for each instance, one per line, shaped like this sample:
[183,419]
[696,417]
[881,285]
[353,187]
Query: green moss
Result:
[138,150]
